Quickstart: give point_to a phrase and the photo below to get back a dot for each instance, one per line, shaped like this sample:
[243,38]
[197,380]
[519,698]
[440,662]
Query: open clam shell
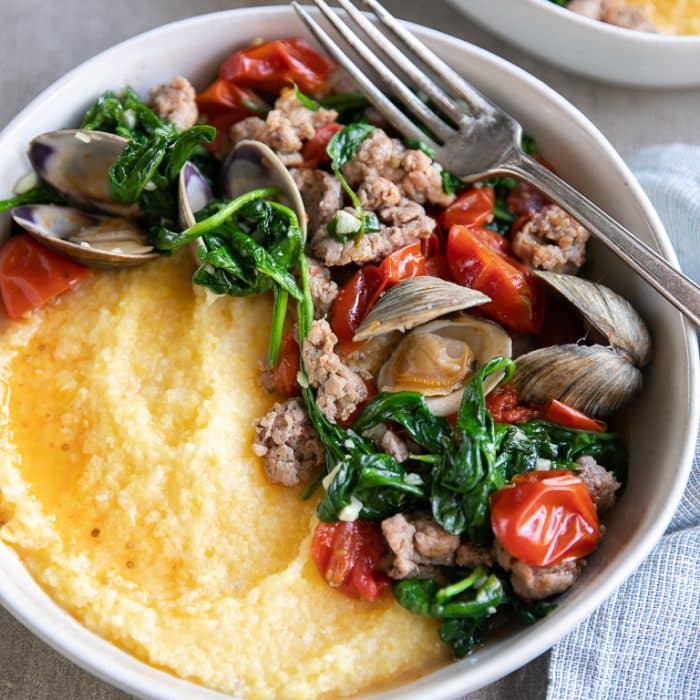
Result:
[105,242]
[594,379]
[606,312]
[194,193]
[251,165]
[438,359]
[415,301]
[77,162]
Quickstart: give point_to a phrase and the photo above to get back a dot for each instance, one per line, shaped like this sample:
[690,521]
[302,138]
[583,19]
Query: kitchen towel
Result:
[644,642]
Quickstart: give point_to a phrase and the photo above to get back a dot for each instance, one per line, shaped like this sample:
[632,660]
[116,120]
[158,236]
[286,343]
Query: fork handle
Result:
[679,289]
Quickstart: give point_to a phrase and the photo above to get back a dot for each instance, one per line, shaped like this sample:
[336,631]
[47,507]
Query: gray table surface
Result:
[42,39]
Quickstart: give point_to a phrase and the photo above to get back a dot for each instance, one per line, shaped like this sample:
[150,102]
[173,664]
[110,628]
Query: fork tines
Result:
[441,126]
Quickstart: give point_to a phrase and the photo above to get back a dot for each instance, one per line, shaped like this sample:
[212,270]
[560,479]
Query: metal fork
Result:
[478,141]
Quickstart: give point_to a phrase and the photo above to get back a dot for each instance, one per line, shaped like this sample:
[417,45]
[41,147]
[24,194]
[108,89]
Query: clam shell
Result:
[77,162]
[594,379]
[486,340]
[193,194]
[415,301]
[104,242]
[606,312]
[252,164]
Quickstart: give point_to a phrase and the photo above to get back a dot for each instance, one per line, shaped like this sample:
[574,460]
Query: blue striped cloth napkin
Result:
[644,642]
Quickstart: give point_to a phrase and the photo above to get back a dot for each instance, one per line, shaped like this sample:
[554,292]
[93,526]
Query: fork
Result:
[473,138]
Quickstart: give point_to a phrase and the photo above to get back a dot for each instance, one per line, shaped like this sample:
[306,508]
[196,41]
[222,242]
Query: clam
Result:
[438,358]
[77,162]
[252,164]
[193,194]
[415,301]
[97,241]
[596,379]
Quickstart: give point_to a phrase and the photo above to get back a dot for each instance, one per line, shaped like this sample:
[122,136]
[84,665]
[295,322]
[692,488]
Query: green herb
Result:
[42,193]
[463,606]
[341,149]
[305,100]
[417,145]
[529,145]
[451,183]
[349,106]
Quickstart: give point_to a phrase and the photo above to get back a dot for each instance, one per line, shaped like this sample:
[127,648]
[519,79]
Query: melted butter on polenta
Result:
[131,493]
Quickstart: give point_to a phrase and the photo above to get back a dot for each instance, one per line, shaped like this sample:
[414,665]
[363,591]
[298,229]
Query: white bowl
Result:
[663,420]
[589,47]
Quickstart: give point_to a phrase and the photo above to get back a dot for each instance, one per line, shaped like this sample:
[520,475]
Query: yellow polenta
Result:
[132,495]
[673,16]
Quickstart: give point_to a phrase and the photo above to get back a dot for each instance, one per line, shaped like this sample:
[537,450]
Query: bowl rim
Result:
[131,676]
[613,31]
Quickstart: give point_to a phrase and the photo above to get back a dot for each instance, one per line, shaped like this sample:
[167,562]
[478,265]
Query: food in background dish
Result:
[322,470]
[666,16]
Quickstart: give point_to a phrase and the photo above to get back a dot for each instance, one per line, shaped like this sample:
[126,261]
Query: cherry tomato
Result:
[31,275]
[314,150]
[363,289]
[525,200]
[473,207]
[516,301]
[223,104]
[350,305]
[347,554]
[277,64]
[284,373]
[502,404]
[544,517]
[563,414]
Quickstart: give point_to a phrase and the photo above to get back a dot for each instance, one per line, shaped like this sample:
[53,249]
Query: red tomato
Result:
[502,404]
[473,207]
[350,305]
[284,373]
[491,239]
[544,517]
[31,275]
[347,555]
[277,64]
[563,414]
[516,303]
[361,291]
[525,200]
[223,104]
[314,150]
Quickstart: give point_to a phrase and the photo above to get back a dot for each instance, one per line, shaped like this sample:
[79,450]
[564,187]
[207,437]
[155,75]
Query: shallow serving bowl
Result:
[661,424]
[589,47]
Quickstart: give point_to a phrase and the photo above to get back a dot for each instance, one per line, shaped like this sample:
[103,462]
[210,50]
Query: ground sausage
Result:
[323,289]
[416,541]
[621,14]
[378,192]
[176,101]
[393,445]
[288,442]
[380,156]
[285,128]
[470,556]
[552,240]
[322,195]
[537,582]
[340,390]
[600,482]
[404,223]
[588,8]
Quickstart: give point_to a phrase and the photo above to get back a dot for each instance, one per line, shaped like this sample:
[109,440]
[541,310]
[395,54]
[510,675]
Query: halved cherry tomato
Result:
[31,275]
[563,414]
[516,301]
[223,104]
[473,207]
[544,517]
[276,64]
[284,373]
[314,150]
[350,305]
[491,239]
[347,555]
[502,404]
[363,289]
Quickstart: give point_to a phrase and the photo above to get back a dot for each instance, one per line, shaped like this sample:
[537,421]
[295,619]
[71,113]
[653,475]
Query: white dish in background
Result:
[662,421]
[586,46]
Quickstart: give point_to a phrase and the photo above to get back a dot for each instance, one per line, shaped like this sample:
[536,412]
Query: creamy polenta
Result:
[673,16]
[130,492]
